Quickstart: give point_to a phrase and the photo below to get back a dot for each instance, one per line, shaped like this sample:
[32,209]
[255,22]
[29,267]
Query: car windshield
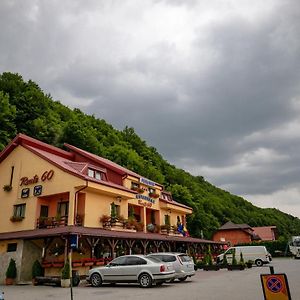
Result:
[154,259]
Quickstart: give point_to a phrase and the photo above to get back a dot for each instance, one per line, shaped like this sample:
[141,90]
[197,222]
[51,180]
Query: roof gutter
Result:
[76,200]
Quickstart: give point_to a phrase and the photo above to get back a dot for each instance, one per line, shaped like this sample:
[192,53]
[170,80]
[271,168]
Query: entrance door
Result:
[44,211]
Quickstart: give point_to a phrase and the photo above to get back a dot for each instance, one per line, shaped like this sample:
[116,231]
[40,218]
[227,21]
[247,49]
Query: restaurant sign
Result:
[147,182]
[142,197]
[47,175]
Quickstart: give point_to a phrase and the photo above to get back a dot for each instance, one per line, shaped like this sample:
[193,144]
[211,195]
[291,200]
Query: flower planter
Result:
[65,283]
[211,268]
[46,264]
[88,263]
[57,264]
[9,281]
[99,263]
[76,264]
[235,267]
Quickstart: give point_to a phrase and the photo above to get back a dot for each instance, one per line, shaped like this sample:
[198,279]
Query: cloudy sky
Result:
[213,85]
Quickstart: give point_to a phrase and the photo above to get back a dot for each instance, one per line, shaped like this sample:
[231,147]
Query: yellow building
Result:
[49,196]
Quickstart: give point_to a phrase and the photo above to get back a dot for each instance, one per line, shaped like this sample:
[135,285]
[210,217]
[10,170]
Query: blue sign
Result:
[74,241]
[139,196]
[147,182]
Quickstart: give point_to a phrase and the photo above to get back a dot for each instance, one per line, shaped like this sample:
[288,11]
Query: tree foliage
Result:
[25,108]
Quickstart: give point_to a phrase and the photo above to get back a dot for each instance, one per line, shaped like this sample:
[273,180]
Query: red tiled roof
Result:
[117,168]
[99,232]
[266,233]
[229,225]
[174,203]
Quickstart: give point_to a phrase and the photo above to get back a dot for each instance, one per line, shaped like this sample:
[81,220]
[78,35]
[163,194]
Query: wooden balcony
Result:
[51,222]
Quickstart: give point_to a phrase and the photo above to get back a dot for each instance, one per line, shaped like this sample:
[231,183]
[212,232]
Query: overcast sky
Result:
[213,85]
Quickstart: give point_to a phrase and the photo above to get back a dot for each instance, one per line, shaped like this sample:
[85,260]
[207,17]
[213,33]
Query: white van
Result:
[258,254]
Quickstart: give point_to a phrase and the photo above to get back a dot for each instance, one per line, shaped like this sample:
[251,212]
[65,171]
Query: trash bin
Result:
[75,278]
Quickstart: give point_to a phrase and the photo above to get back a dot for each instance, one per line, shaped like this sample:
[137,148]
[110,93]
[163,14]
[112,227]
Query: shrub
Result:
[242,262]
[11,271]
[37,269]
[234,262]
[65,272]
[225,262]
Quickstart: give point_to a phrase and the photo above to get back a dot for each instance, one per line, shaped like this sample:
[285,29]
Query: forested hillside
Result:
[25,108]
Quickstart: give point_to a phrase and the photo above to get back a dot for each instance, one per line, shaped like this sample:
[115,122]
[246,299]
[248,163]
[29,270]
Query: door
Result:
[44,211]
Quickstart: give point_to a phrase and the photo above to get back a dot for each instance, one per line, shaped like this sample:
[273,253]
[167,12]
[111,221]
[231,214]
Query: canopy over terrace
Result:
[94,235]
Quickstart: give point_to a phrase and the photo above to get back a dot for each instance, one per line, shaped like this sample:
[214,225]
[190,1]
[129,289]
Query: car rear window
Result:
[185,258]
[154,259]
[169,258]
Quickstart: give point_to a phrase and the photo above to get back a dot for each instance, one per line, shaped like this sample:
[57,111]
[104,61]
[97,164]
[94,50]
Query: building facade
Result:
[49,196]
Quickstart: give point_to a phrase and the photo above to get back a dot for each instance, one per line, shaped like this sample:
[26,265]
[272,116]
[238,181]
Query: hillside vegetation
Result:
[25,108]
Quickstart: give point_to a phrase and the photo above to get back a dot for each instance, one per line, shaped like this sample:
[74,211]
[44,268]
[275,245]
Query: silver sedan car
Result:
[182,263]
[132,268]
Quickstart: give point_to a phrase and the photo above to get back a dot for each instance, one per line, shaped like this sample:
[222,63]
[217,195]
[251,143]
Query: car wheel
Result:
[145,280]
[96,280]
[182,278]
[259,262]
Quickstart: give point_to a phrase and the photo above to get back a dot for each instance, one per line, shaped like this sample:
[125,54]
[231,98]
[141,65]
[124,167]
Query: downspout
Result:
[76,202]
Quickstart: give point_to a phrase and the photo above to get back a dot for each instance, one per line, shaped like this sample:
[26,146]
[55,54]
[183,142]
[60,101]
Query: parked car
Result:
[182,263]
[258,254]
[132,268]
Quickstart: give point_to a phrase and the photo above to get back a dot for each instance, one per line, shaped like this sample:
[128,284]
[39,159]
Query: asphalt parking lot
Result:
[206,285]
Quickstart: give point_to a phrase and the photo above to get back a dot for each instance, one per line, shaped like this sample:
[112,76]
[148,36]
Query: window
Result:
[12,247]
[151,191]
[135,261]
[97,174]
[119,261]
[44,211]
[63,209]
[134,185]
[167,220]
[19,210]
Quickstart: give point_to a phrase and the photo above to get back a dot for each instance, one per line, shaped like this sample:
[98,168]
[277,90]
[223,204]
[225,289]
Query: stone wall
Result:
[31,252]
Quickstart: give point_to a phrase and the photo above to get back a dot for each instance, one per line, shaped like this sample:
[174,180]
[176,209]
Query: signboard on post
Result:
[74,241]
[275,287]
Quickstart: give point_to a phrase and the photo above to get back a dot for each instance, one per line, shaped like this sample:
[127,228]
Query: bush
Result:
[234,261]
[11,271]
[65,272]
[37,269]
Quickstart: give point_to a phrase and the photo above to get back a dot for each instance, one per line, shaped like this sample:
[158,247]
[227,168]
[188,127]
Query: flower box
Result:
[153,195]
[235,267]
[77,264]
[57,264]
[211,268]
[88,263]
[46,264]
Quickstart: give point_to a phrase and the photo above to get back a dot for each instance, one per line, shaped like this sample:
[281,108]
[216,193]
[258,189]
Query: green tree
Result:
[7,118]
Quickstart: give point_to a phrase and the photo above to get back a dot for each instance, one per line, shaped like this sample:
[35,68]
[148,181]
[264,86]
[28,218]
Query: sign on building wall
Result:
[47,175]
[147,182]
[146,198]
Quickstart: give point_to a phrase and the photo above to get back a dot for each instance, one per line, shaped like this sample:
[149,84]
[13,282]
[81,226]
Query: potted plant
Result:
[16,218]
[249,263]
[105,220]
[234,265]
[65,275]
[7,188]
[37,270]
[11,272]
[165,228]
[224,263]
[208,262]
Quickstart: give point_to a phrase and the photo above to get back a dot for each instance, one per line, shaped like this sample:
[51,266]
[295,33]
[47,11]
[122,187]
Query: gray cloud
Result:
[214,87]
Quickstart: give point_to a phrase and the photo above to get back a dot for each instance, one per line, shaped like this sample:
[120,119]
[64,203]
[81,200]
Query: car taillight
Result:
[162,268]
